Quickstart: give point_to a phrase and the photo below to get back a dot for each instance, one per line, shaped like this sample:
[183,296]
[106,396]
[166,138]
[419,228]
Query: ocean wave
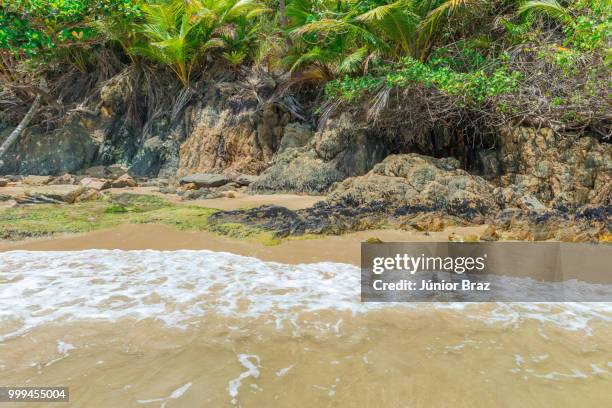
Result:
[178,287]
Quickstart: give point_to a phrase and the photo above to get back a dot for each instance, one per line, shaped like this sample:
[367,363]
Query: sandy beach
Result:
[343,248]
[240,200]
[249,324]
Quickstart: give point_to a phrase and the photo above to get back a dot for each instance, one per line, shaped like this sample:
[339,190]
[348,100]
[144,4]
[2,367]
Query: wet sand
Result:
[240,200]
[343,248]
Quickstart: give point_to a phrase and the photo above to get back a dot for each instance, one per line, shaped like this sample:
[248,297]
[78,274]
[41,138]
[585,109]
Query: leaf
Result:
[353,61]
[549,7]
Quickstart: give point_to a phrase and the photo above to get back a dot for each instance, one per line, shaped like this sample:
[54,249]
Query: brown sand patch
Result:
[343,248]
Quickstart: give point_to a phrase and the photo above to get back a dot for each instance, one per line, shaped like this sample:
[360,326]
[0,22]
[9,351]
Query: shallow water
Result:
[201,328]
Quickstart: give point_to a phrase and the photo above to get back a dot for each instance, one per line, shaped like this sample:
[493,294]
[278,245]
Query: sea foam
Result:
[37,288]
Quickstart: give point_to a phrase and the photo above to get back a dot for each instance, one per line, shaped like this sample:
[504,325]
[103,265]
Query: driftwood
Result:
[20,128]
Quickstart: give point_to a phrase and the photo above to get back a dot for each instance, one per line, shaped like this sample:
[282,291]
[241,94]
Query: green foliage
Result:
[564,58]
[115,209]
[339,37]
[592,30]
[32,27]
[47,219]
[472,50]
[174,32]
[551,8]
[351,89]
[178,32]
[474,86]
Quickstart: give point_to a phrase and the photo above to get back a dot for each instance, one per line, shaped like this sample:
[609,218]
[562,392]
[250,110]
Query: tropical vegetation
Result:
[546,61]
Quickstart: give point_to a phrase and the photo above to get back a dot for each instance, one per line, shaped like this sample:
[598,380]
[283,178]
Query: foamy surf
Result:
[182,328]
[178,287]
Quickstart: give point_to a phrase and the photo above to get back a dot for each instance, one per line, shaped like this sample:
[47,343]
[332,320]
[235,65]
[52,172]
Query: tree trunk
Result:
[20,128]
[284,21]
[283,14]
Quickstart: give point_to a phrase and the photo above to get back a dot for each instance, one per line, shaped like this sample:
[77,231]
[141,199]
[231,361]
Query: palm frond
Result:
[298,11]
[326,26]
[352,62]
[551,8]
[445,11]
[212,43]
[243,7]
[380,12]
[316,54]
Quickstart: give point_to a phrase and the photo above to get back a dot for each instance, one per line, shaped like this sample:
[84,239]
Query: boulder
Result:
[124,181]
[42,152]
[490,234]
[228,194]
[202,193]
[168,190]
[427,194]
[116,170]
[295,135]
[115,94]
[403,190]
[605,238]
[232,186]
[94,183]
[343,149]
[412,183]
[587,224]
[106,172]
[297,170]
[98,172]
[64,179]
[89,195]
[51,194]
[489,162]
[186,187]
[269,217]
[154,182]
[245,179]
[152,156]
[36,180]
[428,222]
[205,180]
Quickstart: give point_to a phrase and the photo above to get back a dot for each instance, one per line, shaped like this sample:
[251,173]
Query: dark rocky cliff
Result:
[369,173]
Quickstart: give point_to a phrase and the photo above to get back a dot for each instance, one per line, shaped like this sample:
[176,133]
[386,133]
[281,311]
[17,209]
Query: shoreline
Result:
[326,248]
[239,201]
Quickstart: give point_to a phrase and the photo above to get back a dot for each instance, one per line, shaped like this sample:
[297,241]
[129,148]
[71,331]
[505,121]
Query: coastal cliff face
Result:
[342,149]
[231,134]
[563,171]
[537,182]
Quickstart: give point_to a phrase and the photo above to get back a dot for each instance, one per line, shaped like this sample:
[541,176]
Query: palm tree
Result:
[340,37]
[332,38]
[436,14]
[177,32]
[395,22]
